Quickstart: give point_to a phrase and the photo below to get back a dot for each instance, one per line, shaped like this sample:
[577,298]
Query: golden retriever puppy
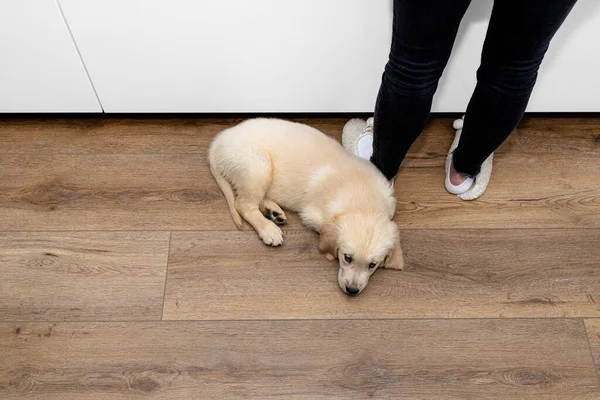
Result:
[266,165]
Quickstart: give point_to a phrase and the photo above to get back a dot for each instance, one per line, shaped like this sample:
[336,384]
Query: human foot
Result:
[456,182]
[456,178]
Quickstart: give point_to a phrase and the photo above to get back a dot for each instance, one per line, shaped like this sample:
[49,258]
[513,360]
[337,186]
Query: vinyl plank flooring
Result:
[541,191]
[114,135]
[108,135]
[544,176]
[136,174]
[177,192]
[110,192]
[157,135]
[82,275]
[466,359]
[449,274]
[93,209]
[536,135]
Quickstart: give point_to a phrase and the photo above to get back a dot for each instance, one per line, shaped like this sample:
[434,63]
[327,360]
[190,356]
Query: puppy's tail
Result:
[226,189]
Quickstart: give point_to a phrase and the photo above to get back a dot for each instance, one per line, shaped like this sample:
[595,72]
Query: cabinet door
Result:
[232,55]
[294,55]
[40,69]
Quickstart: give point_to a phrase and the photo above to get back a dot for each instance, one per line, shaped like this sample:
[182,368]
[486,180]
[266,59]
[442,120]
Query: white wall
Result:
[40,70]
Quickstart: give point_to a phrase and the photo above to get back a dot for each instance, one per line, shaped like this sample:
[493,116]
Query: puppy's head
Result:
[362,244]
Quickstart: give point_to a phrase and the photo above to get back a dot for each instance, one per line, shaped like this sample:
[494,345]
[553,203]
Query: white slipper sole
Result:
[470,189]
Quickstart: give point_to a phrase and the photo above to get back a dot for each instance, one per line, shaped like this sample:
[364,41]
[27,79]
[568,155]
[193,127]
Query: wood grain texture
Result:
[114,135]
[108,135]
[177,192]
[448,274]
[107,178]
[466,359]
[157,135]
[110,192]
[82,275]
[543,191]
[593,330]
[86,206]
[544,176]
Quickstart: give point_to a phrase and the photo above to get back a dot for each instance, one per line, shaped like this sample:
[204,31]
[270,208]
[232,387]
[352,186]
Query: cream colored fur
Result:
[264,165]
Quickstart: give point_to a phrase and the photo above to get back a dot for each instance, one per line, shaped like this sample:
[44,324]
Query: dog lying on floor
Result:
[264,165]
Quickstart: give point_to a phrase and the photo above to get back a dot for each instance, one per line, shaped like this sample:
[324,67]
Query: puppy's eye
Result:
[372,265]
[347,258]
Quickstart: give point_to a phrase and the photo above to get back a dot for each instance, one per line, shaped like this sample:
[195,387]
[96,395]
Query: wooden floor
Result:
[122,275]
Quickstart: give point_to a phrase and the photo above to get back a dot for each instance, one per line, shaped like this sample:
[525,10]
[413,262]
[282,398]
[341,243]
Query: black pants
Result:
[518,36]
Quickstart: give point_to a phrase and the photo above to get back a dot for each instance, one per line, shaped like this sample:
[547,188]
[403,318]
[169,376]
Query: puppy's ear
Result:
[395,259]
[328,240]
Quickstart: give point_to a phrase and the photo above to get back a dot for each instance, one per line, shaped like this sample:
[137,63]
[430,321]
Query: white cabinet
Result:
[250,56]
[232,55]
[294,56]
[40,70]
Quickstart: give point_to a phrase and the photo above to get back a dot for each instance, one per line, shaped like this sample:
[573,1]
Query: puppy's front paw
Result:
[397,267]
[272,235]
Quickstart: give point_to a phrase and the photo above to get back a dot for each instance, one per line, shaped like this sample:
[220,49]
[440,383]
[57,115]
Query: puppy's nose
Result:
[352,290]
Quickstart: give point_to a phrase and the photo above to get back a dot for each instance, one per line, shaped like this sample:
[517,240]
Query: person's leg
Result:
[423,36]
[517,39]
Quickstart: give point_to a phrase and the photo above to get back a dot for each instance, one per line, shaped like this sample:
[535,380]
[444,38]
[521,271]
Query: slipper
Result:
[357,137]
[472,188]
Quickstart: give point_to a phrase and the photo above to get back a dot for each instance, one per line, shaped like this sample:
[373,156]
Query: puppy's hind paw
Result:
[276,217]
[272,235]
[273,212]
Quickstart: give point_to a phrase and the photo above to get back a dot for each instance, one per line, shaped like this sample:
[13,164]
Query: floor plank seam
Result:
[587,336]
[162,312]
[293,320]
